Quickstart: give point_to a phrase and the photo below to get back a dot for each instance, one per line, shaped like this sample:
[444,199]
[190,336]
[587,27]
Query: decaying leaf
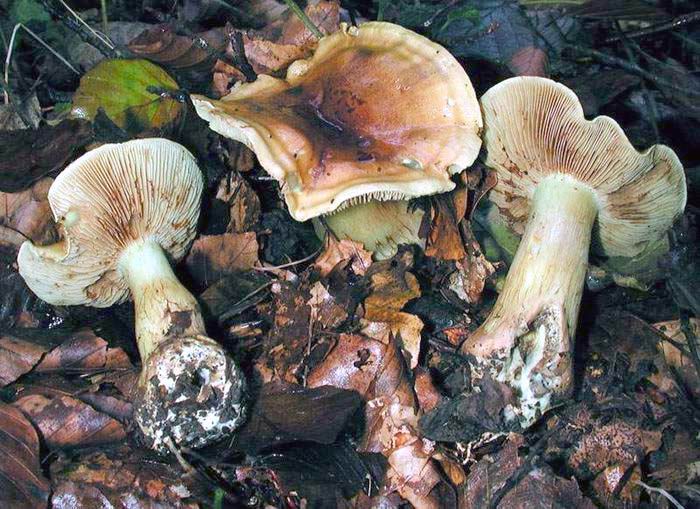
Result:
[22,483]
[392,287]
[118,477]
[378,372]
[444,240]
[163,45]
[345,251]
[286,40]
[30,154]
[468,281]
[213,257]
[677,353]
[492,483]
[242,201]
[134,94]
[66,422]
[324,308]
[23,350]
[28,212]
[285,414]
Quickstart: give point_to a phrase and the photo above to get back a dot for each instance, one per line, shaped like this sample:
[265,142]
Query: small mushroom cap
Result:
[377,111]
[535,127]
[104,201]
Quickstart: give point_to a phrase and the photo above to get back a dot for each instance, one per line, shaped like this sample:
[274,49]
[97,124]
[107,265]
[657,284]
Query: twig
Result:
[105,21]
[72,21]
[606,59]
[676,22]
[239,57]
[304,18]
[663,492]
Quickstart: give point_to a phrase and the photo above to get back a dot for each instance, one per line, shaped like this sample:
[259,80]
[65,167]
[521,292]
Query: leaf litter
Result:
[358,395]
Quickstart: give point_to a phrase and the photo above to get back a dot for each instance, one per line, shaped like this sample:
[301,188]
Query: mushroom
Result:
[378,113]
[125,211]
[564,184]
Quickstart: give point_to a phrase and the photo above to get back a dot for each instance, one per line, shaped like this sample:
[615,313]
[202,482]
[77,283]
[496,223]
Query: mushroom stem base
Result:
[164,308]
[527,340]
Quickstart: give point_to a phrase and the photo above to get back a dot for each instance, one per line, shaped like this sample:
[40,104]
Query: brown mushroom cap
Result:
[535,127]
[378,111]
[104,201]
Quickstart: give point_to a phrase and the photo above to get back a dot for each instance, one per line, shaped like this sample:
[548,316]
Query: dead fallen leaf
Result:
[528,61]
[118,477]
[377,371]
[468,281]
[28,212]
[65,422]
[392,286]
[538,489]
[163,45]
[324,309]
[22,483]
[444,240]
[242,201]
[214,257]
[676,351]
[23,350]
[30,154]
[284,414]
[343,251]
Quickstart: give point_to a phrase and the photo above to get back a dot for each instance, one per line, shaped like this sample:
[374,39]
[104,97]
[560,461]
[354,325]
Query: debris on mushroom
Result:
[565,184]
[378,113]
[126,211]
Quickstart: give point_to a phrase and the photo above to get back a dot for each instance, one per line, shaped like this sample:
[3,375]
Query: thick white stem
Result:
[527,339]
[164,308]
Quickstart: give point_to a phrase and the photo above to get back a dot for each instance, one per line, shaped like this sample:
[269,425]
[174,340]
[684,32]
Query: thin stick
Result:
[103,8]
[676,22]
[304,18]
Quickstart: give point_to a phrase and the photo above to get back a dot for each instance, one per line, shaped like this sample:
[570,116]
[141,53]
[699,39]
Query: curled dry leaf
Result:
[391,288]
[468,281]
[30,154]
[66,422]
[324,308]
[344,251]
[214,257]
[119,477]
[22,483]
[162,45]
[444,240]
[377,371]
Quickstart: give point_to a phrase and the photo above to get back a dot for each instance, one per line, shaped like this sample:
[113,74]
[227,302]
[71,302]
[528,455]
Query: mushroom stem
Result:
[164,308]
[527,339]
[381,226]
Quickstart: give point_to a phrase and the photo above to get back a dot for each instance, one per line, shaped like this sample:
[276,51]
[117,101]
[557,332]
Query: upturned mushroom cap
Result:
[535,127]
[103,202]
[377,111]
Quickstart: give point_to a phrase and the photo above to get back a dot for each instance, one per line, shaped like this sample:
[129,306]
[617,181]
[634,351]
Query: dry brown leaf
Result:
[529,61]
[82,351]
[444,240]
[343,251]
[324,309]
[675,356]
[64,421]
[392,288]
[22,483]
[377,371]
[29,213]
[214,257]
[468,281]
[243,202]
[119,477]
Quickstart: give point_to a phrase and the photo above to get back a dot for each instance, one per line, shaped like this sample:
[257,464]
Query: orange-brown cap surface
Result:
[378,111]
[104,201]
[535,127]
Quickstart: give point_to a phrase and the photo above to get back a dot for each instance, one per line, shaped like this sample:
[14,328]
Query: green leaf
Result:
[134,94]
[26,11]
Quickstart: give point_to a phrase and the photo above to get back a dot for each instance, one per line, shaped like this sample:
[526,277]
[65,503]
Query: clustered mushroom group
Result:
[379,115]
